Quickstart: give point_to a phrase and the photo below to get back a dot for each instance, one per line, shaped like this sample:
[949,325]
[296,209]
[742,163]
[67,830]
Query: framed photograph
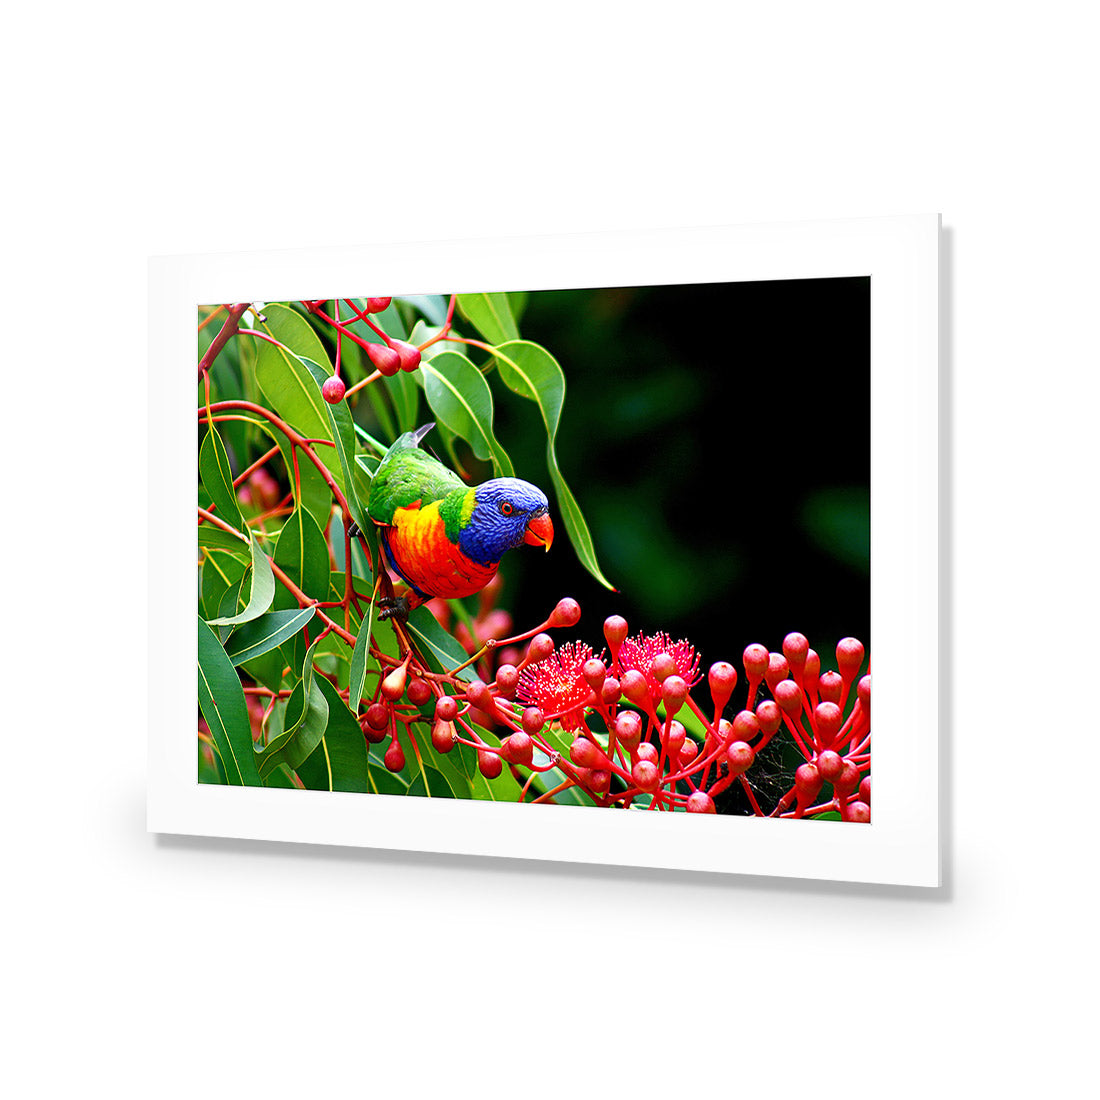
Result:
[566,548]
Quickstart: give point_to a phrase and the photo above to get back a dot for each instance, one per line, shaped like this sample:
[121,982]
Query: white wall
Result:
[170,967]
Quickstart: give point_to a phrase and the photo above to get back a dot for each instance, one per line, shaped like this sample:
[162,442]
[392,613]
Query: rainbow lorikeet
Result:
[442,536]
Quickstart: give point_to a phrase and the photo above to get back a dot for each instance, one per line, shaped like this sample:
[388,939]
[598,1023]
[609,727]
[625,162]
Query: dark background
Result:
[717,439]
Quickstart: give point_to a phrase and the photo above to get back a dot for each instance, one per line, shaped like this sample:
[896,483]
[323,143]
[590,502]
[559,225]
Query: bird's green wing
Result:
[407,474]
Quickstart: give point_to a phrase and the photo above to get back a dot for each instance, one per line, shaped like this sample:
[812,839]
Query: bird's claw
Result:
[394,607]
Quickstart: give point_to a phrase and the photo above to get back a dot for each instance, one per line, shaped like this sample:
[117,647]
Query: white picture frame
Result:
[900,255]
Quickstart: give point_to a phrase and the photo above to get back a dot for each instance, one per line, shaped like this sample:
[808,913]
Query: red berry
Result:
[566,613]
[828,718]
[739,756]
[647,751]
[699,802]
[865,790]
[489,764]
[628,729]
[446,708]
[518,749]
[333,390]
[507,680]
[689,750]
[674,691]
[755,659]
[830,687]
[407,355]
[722,679]
[395,756]
[419,692]
[645,775]
[386,361]
[532,720]
[443,736]
[856,811]
[777,670]
[377,305]
[393,686]
[769,716]
[830,765]
[539,648]
[849,658]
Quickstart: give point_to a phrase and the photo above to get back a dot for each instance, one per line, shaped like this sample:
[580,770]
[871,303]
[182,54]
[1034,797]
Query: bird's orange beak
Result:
[540,531]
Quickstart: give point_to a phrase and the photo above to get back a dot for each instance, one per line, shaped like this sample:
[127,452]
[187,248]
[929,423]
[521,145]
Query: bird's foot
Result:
[353,530]
[394,607]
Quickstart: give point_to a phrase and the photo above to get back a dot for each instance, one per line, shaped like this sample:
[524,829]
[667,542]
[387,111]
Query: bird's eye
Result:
[506,509]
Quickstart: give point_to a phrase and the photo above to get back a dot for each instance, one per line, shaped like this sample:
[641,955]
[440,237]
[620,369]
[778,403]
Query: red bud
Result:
[755,659]
[634,686]
[722,679]
[828,718]
[795,649]
[645,776]
[395,756]
[615,631]
[446,708]
[830,687]
[778,670]
[539,648]
[674,692]
[566,613]
[386,361]
[408,355]
[699,802]
[518,749]
[628,729]
[849,658]
[740,757]
[769,716]
[489,764]
[443,736]
[333,390]
[830,765]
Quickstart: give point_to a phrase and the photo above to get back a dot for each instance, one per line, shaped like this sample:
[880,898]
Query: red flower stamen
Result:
[557,685]
[638,653]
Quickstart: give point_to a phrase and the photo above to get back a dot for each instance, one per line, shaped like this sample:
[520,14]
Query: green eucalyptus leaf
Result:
[261,593]
[532,372]
[307,714]
[221,700]
[461,398]
[340,762]
[217,478]
[257,637]
[491,315]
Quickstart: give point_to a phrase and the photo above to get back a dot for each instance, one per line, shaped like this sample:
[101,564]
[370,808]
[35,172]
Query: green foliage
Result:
[285,610]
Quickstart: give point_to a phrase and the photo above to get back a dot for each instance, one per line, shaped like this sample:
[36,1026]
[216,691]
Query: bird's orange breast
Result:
[428,560]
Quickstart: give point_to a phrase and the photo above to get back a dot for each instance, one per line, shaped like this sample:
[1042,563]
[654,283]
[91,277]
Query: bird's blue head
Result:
[507,512]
